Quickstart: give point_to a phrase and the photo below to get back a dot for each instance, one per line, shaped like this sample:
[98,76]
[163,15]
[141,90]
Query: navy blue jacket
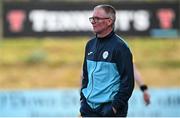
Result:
[107,72]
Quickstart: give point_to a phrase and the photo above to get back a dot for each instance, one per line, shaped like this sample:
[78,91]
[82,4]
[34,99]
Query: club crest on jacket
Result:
[105,54]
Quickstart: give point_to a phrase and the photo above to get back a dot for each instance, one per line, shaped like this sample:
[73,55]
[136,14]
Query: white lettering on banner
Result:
[123,20]
[140,20]
[38,20]
[54,21]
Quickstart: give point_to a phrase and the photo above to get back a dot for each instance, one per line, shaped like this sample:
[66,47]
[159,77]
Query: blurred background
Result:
[42,47]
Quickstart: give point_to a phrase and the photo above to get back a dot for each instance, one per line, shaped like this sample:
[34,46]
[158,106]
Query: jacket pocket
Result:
[107,110]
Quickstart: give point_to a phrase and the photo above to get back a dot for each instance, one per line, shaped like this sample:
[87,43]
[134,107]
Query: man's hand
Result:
[146,97]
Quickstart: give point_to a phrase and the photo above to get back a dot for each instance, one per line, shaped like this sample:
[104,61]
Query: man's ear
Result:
[110,22]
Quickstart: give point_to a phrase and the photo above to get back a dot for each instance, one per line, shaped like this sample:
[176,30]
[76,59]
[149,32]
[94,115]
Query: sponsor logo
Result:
[16,19]
[90,53]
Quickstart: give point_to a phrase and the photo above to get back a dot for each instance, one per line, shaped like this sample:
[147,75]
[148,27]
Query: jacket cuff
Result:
[143,87]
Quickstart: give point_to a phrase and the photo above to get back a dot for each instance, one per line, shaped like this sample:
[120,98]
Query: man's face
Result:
[99,21]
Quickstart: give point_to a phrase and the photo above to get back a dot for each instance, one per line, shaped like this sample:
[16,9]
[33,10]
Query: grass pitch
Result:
[30,63]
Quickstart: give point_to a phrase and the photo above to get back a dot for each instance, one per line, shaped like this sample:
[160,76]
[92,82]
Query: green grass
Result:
[54,63]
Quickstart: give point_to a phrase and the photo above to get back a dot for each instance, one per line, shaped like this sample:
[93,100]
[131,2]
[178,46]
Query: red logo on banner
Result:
[16,19]
[166,17]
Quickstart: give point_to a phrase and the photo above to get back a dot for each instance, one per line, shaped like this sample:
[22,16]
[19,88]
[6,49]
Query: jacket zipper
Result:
[94,68]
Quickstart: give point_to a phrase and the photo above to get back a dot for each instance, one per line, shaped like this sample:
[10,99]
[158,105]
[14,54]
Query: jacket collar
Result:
[106,37]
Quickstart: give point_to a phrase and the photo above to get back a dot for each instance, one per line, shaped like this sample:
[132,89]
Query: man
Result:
[108,78]
[143,87]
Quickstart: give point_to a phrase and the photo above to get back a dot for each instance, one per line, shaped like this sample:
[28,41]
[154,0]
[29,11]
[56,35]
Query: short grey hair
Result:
[110,10]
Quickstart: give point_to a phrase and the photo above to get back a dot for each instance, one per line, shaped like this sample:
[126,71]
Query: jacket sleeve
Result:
[125,69]
[84,76]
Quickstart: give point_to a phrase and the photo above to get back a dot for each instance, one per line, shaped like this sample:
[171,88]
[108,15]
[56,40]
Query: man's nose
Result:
[93,22]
